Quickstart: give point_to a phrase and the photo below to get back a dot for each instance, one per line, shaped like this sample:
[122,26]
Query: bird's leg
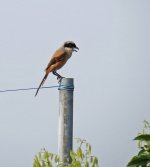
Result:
[58,76]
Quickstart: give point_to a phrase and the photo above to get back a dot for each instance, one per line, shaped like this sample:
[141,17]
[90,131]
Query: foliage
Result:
[80,158]
[143,157]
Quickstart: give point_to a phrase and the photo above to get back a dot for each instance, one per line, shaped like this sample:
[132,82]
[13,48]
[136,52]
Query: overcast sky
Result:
[111,72]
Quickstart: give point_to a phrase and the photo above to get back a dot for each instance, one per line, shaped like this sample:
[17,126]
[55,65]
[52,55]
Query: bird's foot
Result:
[60,79]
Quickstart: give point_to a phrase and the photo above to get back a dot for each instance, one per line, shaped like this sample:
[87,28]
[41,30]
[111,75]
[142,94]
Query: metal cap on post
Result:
[65,135]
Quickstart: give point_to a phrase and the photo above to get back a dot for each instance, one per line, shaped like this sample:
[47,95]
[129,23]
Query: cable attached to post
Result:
[66,87]
[26,89]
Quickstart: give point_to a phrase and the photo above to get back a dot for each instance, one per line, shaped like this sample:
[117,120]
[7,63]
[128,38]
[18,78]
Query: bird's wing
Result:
[58,56]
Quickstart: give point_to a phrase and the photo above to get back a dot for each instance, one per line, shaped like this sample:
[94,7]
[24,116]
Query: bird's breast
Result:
[60,64]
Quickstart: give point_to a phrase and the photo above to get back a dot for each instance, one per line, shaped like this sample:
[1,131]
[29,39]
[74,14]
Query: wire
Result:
[66,87]
[25,89]
[60,87]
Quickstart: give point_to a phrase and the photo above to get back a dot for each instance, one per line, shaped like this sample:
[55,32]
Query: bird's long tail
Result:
[42,82]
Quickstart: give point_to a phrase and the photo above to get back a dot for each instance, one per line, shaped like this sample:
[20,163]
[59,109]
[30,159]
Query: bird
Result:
[58,60]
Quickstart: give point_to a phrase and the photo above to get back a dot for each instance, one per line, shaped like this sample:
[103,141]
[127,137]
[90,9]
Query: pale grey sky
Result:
[111,71]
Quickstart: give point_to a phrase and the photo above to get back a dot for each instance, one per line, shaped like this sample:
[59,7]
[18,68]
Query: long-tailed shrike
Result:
[58,60]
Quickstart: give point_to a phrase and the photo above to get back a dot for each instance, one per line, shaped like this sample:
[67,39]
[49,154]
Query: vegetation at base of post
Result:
[142,159]
[80,158]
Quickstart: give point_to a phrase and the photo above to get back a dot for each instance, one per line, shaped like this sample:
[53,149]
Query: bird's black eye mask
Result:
[70,45]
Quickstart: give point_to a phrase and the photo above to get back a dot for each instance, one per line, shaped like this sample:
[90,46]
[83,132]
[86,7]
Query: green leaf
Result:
[87,145]
[79,153]
[86,164]
[46,155]
[91,159]
[36,162]
[139,160]
[73,155]
[90,148]
[95,162]
[88,151]
[143,137]
[142,152]
[56,159]
[77,164]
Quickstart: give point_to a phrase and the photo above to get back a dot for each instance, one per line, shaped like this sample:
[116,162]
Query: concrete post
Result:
[65,134]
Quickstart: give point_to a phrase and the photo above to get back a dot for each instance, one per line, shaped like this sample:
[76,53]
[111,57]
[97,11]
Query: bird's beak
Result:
[76,49]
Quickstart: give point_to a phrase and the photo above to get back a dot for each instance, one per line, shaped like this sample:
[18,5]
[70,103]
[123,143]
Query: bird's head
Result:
[70,46]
